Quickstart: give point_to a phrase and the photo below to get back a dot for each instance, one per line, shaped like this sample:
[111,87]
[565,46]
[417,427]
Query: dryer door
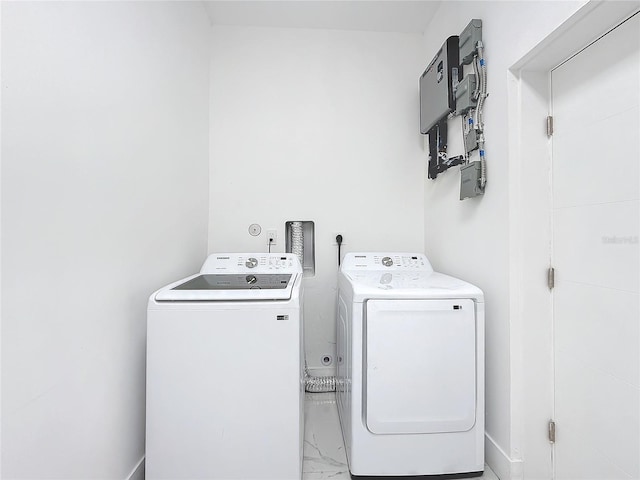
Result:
[420,363]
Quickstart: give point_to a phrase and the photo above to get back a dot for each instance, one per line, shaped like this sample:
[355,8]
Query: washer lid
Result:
[229,287]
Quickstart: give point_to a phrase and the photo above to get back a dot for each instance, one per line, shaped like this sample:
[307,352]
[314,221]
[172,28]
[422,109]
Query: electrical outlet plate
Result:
[272,236]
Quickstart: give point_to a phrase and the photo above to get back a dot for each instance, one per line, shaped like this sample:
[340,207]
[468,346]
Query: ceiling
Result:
[408,16]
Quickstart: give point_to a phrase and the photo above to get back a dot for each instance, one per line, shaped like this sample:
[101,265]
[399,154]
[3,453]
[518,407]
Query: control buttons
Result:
[387,261]
[251,279]
[251,262]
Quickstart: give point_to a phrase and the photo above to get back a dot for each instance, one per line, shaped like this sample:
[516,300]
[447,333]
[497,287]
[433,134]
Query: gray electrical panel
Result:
[470,175]
[468,41]
[437,84]
[470,140]
[445,93]
[464,94]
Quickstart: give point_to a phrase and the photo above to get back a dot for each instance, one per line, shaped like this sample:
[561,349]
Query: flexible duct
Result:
[319,384]
[482,81]
[480,114]
[297,241]
[311,384]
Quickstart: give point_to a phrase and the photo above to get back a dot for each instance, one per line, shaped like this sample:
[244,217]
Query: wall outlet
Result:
[272,236]
[326,360]
[334,235]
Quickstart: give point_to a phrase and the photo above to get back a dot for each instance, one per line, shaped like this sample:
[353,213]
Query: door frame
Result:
[529,99]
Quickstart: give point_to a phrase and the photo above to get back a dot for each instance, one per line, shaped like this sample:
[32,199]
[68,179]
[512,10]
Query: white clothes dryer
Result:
[410,346]
[225,391]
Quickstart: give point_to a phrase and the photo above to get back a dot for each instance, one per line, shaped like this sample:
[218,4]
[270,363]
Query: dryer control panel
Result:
[386,261]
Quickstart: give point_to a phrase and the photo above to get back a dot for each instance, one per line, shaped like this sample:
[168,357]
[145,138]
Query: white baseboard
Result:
[504,467]
[138,471]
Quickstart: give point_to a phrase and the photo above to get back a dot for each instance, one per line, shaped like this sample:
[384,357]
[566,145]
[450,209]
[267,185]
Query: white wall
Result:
[471,239]
[316,125]
[104,199]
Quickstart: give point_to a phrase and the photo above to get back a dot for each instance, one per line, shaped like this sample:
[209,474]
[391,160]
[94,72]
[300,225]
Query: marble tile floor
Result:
[324,455]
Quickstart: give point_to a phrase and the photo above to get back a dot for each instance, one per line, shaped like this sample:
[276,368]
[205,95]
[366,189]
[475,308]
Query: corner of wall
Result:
[138,471]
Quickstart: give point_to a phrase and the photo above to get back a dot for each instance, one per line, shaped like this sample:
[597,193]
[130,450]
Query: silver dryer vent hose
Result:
[297,241]
[319,384]
[311,384]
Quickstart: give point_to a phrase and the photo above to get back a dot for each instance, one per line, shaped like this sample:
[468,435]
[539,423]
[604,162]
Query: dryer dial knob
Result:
[251,262]
[251,279]
[387,261]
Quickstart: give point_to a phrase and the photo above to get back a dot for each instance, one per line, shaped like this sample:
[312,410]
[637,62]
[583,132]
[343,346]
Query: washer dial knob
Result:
[251,279]
[251,262]
[387,261]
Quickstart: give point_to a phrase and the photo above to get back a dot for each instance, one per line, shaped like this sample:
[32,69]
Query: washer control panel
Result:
[386,261]
[251,263]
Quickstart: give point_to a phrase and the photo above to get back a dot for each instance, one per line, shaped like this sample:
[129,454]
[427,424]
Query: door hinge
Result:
[551,278]
[552,431]
[549,126]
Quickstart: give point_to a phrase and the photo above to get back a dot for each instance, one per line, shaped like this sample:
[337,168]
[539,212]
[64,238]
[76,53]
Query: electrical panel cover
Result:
[437,82]
[468,41]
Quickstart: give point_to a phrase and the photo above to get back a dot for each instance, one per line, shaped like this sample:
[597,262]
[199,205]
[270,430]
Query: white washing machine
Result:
[225,391]
[410,345]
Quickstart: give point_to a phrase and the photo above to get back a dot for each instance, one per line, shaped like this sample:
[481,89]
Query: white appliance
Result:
[410,345]
[225,391]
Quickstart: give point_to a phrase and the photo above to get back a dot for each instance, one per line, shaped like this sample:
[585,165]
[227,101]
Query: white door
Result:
[596,152]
